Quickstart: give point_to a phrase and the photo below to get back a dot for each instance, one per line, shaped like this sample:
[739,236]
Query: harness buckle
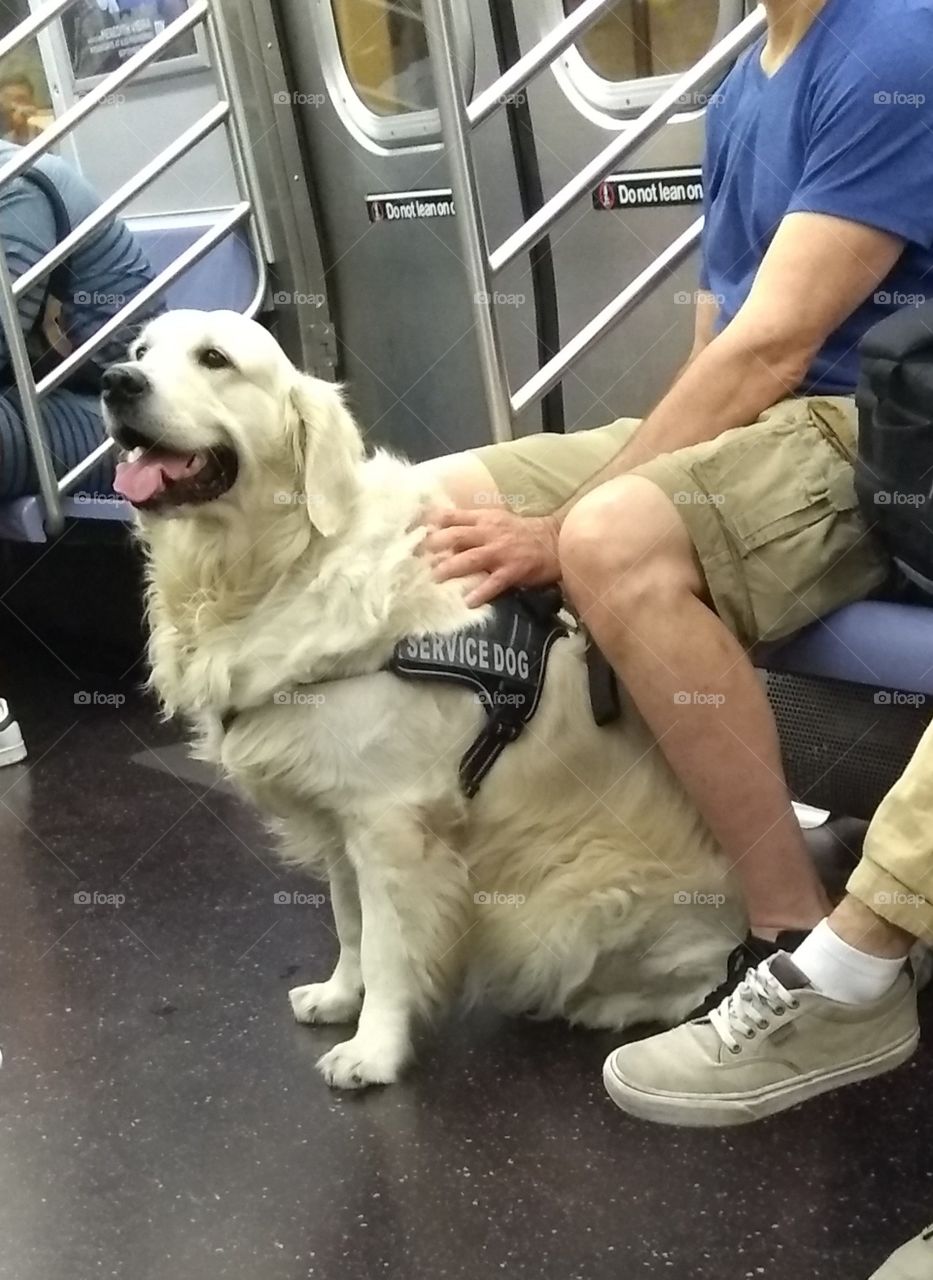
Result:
[507,730]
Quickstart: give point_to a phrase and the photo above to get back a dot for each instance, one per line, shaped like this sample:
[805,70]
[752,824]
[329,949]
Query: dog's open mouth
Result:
[154,478]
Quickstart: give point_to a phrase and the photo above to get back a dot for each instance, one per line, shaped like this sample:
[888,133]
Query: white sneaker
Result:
[12,746]
[913,1261]
[771,1044]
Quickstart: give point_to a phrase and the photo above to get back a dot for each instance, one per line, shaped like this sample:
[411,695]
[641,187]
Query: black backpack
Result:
[60,284]
[894,474]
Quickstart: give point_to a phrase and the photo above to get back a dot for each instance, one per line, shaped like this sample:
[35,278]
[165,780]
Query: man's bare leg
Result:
[861,928]
[667,642]
[467,482]
[629,566]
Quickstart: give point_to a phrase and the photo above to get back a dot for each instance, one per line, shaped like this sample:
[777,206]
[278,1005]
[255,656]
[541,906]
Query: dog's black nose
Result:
[122,383]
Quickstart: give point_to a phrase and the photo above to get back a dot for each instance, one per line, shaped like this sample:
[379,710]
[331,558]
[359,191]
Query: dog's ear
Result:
[328,450]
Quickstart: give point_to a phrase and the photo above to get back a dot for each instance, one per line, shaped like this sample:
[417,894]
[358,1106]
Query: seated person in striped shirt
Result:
[37,210]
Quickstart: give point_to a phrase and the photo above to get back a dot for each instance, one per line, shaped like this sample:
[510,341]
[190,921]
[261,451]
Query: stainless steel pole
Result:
[550,47]
[26,385]
[446,64]
[184,143]
[648,123]
[540,383]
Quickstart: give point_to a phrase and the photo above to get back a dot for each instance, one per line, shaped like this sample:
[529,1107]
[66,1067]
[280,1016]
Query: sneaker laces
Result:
[745,1012]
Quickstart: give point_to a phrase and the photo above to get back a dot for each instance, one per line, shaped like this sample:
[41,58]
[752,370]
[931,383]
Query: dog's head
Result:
[212,416]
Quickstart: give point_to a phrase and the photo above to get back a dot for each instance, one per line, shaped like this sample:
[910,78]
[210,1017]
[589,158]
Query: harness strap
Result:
[604,686]
[503,659]
[485,751]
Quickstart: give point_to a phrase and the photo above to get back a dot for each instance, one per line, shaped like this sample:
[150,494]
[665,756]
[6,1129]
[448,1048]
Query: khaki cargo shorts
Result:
[771,507]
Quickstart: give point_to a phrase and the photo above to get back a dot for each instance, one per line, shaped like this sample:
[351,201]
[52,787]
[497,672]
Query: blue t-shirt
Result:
[844,127]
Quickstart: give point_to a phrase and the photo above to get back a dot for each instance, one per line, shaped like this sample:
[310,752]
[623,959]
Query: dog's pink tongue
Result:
[145,478]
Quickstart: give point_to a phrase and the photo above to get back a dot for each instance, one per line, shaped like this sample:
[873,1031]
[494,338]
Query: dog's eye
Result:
[140,352]
[211,358]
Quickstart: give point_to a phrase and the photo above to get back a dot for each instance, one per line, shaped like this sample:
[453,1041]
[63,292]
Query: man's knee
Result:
[626,541]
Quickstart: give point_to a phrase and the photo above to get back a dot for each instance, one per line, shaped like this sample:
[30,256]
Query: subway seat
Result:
[224,280]
[852,696]
[887,646]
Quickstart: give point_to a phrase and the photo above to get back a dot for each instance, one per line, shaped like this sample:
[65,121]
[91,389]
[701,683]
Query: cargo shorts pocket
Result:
[780,537]
[837,422]
[772,479]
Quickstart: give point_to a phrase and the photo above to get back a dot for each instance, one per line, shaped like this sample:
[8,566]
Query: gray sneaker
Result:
[913,1261]
[771,1044]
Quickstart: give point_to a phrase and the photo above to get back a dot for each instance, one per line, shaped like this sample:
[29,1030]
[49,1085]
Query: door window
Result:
[385,51]
[638,39]
[376,60]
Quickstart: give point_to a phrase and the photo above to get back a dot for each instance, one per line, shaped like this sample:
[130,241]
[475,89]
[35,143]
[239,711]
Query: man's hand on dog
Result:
[514,551]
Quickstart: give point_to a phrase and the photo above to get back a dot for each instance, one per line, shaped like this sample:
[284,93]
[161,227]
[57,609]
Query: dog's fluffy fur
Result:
[580,883]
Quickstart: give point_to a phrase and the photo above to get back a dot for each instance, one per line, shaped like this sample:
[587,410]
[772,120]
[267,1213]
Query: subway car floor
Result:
[161,1117]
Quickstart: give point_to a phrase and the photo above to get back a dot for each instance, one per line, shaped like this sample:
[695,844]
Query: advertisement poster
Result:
[102,34]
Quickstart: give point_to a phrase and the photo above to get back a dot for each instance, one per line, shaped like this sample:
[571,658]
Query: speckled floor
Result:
[160,1117]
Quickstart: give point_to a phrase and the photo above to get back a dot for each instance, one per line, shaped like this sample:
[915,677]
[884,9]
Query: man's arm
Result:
[817,270]
[704,323]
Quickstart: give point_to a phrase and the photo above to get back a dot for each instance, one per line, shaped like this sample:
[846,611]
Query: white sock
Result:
[842,973]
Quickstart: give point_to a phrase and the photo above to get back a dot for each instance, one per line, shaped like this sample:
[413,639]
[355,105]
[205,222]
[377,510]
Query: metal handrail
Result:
[556,42]
[241,152]
[70,119]
[194,253]
[32,25]
[249,210]
[184,143]
[653,118]
[458,118]
[548,376]
[25,383]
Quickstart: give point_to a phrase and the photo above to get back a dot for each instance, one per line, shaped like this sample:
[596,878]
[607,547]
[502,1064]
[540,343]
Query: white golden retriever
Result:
[579,883]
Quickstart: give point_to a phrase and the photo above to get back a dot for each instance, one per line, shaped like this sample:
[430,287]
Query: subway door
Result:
[620,66]
[362,90]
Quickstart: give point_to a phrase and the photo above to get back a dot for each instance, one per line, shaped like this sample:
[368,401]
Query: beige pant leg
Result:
[895,877]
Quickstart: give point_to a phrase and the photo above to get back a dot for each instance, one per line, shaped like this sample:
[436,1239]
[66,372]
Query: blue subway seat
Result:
[886,646]
[225,280]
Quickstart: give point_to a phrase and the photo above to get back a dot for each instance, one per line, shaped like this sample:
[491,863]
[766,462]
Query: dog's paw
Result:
[362,1061]
[325,1002]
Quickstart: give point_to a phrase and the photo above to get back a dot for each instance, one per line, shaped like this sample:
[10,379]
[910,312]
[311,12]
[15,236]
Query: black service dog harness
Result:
[503,659]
